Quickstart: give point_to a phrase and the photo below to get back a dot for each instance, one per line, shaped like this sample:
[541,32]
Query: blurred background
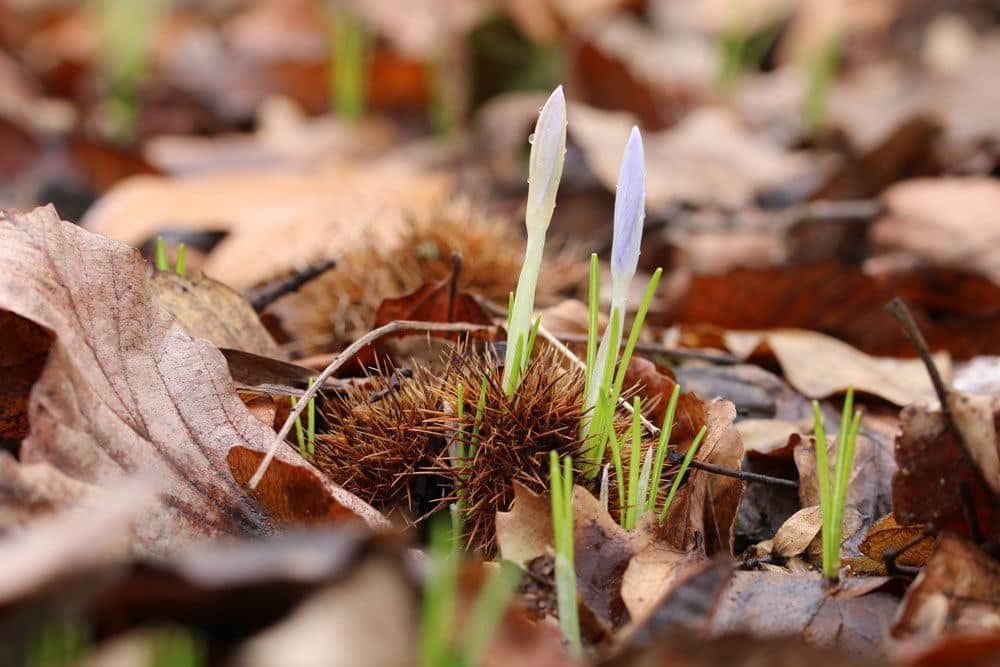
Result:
[781,135]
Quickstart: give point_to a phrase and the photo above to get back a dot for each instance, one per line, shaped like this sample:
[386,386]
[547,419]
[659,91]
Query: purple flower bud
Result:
[630,205]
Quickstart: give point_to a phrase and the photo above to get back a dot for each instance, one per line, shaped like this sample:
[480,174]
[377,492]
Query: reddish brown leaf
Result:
[935,483]
[433,302]
[957,312]
[290,493]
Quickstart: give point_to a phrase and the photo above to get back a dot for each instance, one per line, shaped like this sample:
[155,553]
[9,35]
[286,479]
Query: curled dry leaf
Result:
[958,591]
[703,512]
[125,388]
[935,483]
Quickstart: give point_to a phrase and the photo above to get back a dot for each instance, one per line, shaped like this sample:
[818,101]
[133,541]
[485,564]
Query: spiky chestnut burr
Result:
[376,444]
[515,435]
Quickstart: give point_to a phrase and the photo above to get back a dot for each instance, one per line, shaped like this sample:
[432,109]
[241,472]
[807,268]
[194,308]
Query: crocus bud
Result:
[630,210]
[545,165]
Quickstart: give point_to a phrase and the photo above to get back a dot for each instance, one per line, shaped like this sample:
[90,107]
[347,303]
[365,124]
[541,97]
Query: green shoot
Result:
[833,500]
[477,422]
[124,31]
[633,336]
[59,643]
[515,361]
[593,308]
[635,456]
[460,414]
[561,492]
[306,437]
[821,74]
[176,647]
[594,426]
[437,643]
[685,464]
[162,263]
[487,613]
[616,456]
[181,266]
[440,591]
[350,47]
[661,448]
[603,494]
[643,496]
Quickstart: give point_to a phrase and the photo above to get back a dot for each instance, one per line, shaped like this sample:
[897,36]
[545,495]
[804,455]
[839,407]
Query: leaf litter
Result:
[805,163]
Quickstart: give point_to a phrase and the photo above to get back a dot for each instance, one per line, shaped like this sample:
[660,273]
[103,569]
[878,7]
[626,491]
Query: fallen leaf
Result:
[365,619]
[125,388]
[603,551]
[740,650]
[798,532]
[293,494]
[92,535]
[651,574]
[433,302]
[685,609]
[934,482]
[773,604]
[957,592]
[887,535]
[318,214]
[704,510]
[525,531]
[950,222]
[211,310]
[956,311]
[820,366]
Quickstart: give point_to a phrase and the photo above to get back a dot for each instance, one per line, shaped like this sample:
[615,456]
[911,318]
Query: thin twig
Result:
[575,360]
[341,359]
[654,348]
[677,457]
[898,309]
[268,294]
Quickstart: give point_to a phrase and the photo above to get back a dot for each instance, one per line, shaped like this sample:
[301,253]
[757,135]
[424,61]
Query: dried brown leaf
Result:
[958,591]
[125,388]
[211,310]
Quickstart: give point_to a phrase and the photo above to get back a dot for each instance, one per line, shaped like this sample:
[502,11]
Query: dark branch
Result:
[263,297]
